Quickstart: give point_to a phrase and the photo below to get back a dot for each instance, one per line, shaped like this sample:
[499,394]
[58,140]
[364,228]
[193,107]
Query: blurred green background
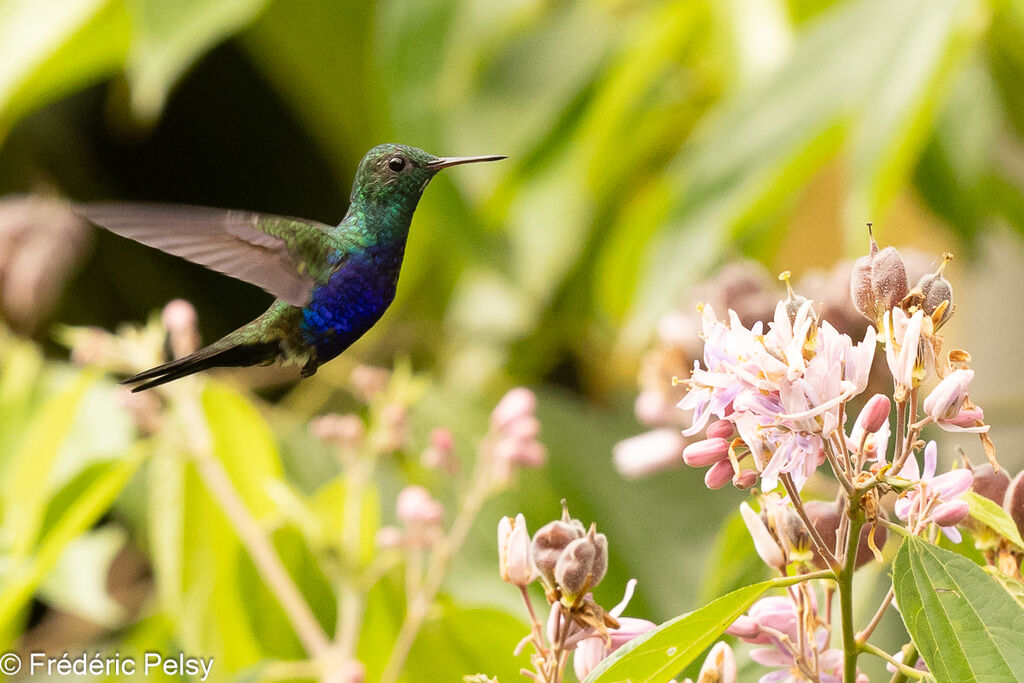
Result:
[649,143]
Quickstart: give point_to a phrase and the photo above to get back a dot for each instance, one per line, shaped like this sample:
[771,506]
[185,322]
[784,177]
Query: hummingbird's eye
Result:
[396,164]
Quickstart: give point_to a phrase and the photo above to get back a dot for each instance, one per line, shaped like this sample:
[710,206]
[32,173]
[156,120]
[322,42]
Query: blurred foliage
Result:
[648,143]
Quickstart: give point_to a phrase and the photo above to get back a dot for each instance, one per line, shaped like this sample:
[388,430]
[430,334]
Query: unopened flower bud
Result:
[646,453]
[874,414]
[706,452]
[350,671]
[718,475]
[548,544]
[440,454]
[719,666]
[825,516]
[341,430]
[721,429]
[368,381]
[989,483]
[878,281]
[180,320]
[744,479]
[950,513]
[796,531]
[389,537]
[1013,501]
[744,627]
[517,403]
[415,507]
[514,551]
[766,545]
[937,294]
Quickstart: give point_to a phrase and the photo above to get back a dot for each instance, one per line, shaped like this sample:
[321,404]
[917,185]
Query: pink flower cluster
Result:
[799,640]
[782,390]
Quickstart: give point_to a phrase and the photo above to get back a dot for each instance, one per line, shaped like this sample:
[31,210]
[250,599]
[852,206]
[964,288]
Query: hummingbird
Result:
[332,283]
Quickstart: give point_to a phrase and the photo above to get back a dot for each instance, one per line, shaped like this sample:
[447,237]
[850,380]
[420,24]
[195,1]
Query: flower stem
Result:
[863,636]
[909,659]
[901,668]
[822,548]
[444,551]
[845,584]
[257,544]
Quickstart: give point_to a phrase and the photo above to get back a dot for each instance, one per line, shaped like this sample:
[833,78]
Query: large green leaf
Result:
[168,36]
[78,583]
[70,514]
[662,653]
[733,562]
[51,47]
[964,624]
[27,483]
[244,444]
[467,640]
[994,517]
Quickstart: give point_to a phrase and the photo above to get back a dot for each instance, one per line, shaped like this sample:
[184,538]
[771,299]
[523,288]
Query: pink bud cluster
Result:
[512,442]
[421,517]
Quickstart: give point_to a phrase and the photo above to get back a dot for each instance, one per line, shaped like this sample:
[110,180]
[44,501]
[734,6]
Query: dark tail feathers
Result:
[210,357]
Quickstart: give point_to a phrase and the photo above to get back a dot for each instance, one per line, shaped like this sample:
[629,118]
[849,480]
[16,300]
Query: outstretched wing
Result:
[284,256]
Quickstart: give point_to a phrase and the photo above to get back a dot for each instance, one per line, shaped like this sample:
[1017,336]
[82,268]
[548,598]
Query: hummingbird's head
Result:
[399,173]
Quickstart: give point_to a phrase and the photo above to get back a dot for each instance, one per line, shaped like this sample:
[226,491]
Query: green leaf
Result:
[964,624]
[465,640]
[662,653]
[994,517]
[167,37]
[329,506]
[27,479]
[264,612]
[244,444]
[78,583]
[106,480]
[733,562]
[51,47]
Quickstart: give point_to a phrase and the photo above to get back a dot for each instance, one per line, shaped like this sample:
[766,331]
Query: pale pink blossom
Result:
[945,404]
[590,647]
[902,347]
[774,621]
[781,389]
[925,503]
[652,451]
[765,544]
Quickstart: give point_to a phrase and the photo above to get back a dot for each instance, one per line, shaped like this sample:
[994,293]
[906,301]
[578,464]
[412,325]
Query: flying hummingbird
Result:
[332,283]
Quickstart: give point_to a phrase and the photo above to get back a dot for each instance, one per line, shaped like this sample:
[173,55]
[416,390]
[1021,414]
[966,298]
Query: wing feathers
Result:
[232,242]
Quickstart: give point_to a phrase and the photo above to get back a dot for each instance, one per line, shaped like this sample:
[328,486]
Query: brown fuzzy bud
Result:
[548,544]
[990,483]
[1013,501]
[878,281]
[600,566]
[936,294]
[582,565]
[825,516]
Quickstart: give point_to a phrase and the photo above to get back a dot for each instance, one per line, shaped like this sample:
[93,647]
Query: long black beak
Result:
[445,162]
